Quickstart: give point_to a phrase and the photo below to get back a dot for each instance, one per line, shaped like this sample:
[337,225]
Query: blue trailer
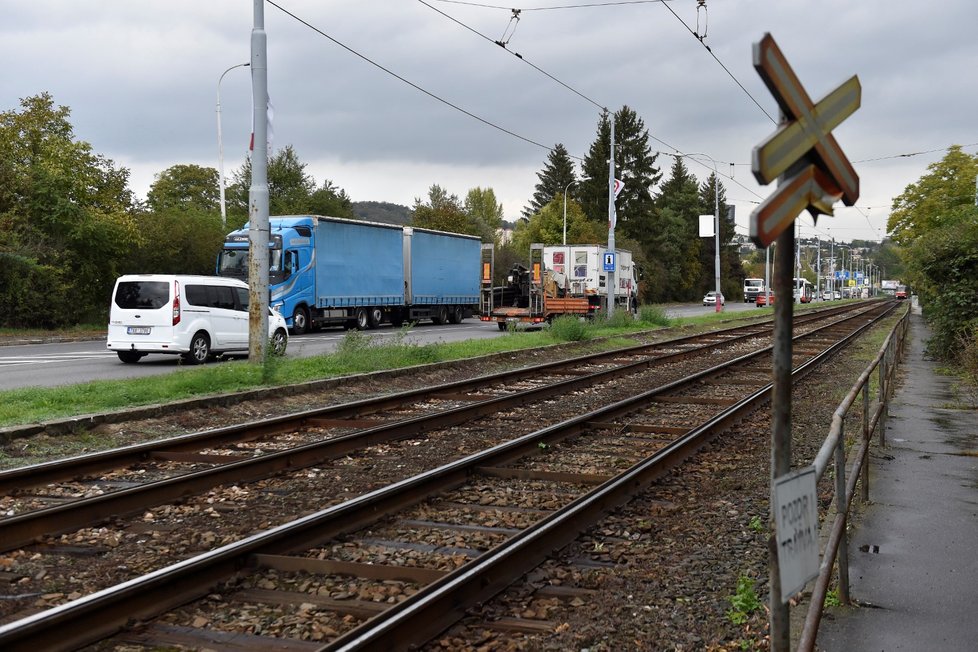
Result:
[335,271]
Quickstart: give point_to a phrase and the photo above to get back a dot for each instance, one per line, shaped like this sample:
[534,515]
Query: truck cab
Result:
[291,280]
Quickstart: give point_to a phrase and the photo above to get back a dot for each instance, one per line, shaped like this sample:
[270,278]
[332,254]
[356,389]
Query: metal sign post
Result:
[813,173]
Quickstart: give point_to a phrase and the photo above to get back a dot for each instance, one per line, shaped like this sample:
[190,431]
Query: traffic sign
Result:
[609,261]
[810,189]
[804,137]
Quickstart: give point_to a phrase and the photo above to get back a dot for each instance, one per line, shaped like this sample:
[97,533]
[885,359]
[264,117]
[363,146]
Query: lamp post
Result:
[220,142]
[569,184]
[716,227]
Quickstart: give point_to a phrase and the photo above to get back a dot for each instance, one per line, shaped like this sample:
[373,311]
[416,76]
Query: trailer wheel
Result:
[375,316]
[455,316]
[300,321]
[502,325]
[360,319]
[441,315]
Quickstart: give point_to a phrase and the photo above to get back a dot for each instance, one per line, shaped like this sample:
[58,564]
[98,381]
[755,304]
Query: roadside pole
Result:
[612,218]
[258,194]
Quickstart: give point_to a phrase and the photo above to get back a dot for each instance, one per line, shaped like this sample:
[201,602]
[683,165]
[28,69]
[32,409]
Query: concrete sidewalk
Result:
[913,560]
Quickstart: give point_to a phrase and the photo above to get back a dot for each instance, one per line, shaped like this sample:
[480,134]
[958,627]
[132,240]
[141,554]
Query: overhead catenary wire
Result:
[407,81]
[515,54]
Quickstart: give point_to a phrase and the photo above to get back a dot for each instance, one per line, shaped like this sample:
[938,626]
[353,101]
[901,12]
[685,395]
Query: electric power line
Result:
[408,82]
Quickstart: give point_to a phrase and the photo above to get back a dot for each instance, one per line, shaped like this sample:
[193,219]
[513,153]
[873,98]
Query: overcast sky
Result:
[141,80]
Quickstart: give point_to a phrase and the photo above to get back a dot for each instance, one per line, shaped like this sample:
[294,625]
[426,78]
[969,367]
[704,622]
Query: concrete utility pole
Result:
[611,218]
[258,194]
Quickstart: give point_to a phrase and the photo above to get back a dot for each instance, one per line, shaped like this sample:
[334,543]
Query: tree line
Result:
[72,224]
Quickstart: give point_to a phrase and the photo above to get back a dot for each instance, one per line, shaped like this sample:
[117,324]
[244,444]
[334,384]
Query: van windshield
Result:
[142,294]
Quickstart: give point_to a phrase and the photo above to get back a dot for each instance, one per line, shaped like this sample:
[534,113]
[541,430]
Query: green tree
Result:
[186,187]
[942,196]
[64,211]
[731,271]
[291,190]
[330,200]
[672,239]
[484,212]
[442,212]
[935,223]
[547,227]
[553,179]
[634,165]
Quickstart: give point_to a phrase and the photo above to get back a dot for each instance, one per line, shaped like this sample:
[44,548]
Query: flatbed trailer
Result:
[529,297]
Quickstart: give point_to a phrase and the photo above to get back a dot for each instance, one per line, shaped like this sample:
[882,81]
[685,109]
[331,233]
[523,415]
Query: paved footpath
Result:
[913,558]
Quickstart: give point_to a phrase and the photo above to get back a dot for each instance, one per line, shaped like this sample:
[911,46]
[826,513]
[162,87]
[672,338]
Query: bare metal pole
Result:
[781,425]
[258,194]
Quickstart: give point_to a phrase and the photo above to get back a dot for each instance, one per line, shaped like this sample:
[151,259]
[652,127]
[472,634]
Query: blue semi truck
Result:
[334,271]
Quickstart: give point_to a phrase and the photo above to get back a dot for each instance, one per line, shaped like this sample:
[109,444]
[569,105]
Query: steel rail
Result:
[47,472]
[100,614]
[54,471]
[24,529]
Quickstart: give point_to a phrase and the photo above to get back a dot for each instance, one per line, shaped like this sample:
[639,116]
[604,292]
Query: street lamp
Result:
[716,226]
[569,184]
[220,142]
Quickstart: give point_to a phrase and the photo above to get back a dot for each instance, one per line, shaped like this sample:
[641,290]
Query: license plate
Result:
[138,330]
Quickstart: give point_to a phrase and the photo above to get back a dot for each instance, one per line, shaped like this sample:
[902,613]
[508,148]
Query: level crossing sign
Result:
[803,148]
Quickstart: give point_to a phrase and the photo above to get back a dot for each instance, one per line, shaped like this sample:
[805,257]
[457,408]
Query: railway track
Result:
[56,497]
[575,469]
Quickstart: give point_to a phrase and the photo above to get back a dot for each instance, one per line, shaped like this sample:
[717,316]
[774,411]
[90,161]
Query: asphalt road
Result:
[65,363]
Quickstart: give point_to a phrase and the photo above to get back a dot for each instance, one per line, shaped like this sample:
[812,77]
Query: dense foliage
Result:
[935,220]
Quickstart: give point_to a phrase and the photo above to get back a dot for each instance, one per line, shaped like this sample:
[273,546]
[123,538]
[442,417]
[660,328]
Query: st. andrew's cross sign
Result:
[819,174]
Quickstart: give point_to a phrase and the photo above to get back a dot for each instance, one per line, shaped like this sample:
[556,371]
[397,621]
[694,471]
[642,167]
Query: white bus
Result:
[752,287]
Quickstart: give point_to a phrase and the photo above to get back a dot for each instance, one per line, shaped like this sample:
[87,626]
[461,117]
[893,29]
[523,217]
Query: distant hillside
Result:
[382,211]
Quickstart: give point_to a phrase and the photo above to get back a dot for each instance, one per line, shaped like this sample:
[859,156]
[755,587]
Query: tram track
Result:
[184,466]
[674,402]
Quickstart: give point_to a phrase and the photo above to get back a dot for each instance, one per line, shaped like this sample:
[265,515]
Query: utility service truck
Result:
[561,280]
[355,274]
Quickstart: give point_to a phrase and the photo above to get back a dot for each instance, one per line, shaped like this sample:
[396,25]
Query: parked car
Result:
[197,317]
[838,295]
[711,299]
[762,300]
[826,295]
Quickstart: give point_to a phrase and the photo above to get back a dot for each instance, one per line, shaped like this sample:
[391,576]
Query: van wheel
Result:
[130,357]
[360,318]
[300,321]
[455,316]
[280,340]
[441,315]
[200,349]
[375,317]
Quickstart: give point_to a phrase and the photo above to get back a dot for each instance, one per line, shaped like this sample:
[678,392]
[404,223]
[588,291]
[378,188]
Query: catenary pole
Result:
[611,218]
[258,194]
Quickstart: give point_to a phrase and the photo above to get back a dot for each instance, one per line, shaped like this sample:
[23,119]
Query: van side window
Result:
[196,295]
[242,295]
[221,296]
[210,296]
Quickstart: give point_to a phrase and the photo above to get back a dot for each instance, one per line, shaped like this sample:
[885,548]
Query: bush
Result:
[620,319]
[653,315]
[568,328]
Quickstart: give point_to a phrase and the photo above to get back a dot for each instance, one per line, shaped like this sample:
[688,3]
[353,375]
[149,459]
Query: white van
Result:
[194,316]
